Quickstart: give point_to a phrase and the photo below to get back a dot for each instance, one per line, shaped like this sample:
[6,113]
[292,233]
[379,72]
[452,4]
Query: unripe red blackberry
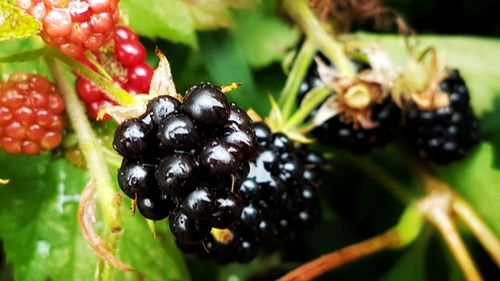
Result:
[30,114]
[74,26]
[125,62]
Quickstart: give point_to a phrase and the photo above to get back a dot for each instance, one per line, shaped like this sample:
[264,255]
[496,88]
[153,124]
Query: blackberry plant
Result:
[213,178]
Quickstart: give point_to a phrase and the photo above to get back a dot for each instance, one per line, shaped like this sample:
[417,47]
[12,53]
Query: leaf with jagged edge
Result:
[39,228]
[15,24]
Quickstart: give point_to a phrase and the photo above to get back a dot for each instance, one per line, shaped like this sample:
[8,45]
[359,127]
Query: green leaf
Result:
[264,36]
[411,263]
[226,63]
[209,14]
[154,258]
[42,239]
[13,47]
[39,228]
[166,19]
[14,23]
[477,180]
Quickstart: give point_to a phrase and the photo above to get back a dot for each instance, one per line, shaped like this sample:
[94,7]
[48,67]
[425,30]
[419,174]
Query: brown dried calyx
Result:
[420,83]
[353,99]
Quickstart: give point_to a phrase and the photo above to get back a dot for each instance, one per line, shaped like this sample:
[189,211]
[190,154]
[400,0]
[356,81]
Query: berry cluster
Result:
[280,196]
[126,63]
[30,114]
[185,160]
[345,133]
[76,25]
[445,134]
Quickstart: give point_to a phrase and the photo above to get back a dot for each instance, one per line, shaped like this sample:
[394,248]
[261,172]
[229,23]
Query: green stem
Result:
[24,56]
[317,96]
[405,232]
[90,56]
[92,151]
[297,73]
[118,94]
[478,227]
[301,13]
[386,181]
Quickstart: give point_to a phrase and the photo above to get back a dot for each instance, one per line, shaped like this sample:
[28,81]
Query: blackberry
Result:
[276,201]
[446,134]
[31,118]
[344,130]
[74,26]
[186,160]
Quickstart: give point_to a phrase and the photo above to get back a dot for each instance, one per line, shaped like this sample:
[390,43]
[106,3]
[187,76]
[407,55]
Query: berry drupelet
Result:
[186,159]
[275,202]
[31,118]
[444,134]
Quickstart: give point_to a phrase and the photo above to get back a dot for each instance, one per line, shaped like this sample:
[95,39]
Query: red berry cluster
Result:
[74,26]
[30,114]
[135,78]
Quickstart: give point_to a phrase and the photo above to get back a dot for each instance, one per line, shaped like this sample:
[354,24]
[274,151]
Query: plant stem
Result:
[478,228]
[318,95]
[112,91]
[92,152]
[297,73]
[300,12]
[437,206]
[315,268]
[444,225]
[385,180]
[403,233]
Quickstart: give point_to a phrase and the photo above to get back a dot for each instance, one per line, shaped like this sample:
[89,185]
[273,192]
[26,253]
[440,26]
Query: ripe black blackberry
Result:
[357,128]
[444,134]
[280,200]
[185,159]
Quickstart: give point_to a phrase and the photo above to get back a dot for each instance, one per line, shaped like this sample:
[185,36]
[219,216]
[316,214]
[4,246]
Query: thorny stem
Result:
[315,268]
[112,91]
[386,181]
[302,14]
[478,228]
[92,152]
[295,76]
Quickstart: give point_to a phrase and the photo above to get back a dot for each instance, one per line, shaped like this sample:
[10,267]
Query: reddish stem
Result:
[86,220]
[315,268]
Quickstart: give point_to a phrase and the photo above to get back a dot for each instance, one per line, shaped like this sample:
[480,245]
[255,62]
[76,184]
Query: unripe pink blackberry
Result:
[74,26]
